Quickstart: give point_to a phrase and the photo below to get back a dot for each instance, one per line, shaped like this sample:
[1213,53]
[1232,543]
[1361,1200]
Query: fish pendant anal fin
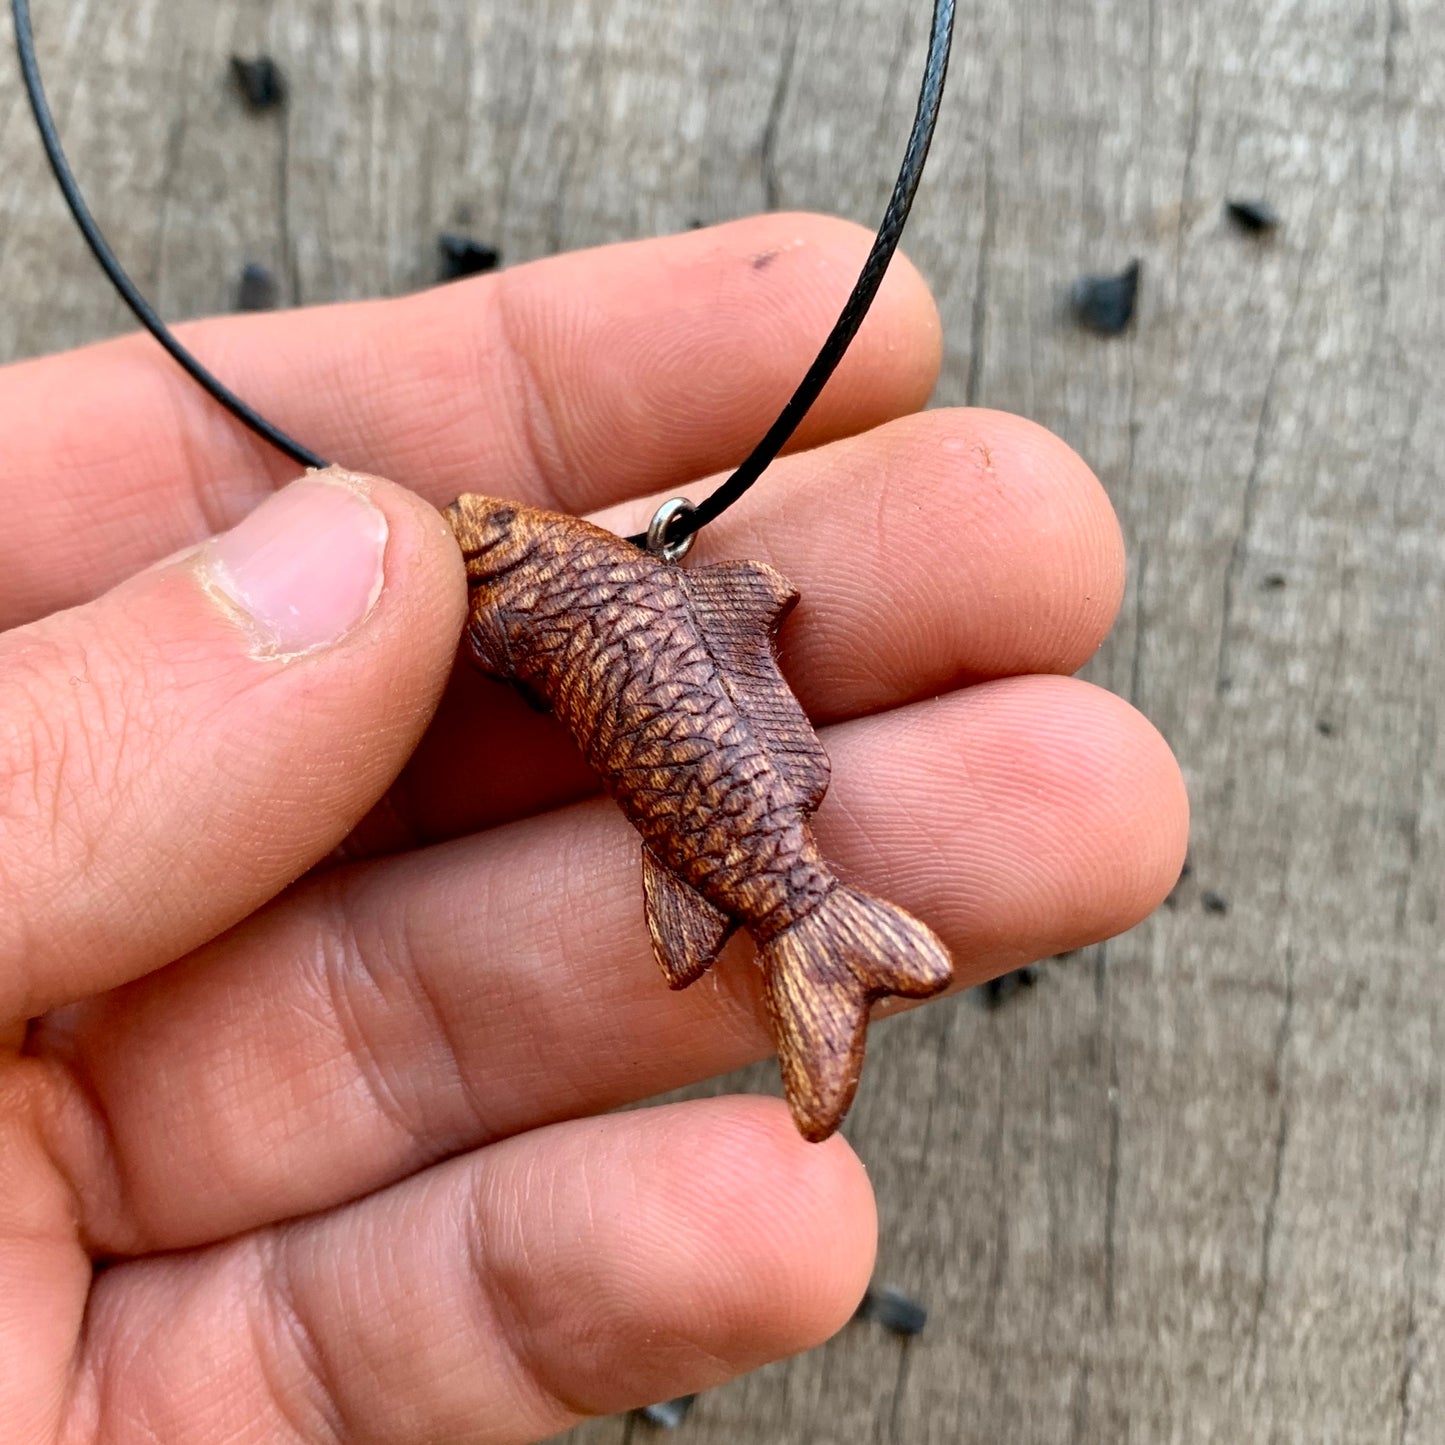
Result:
[688,933]
[669,683]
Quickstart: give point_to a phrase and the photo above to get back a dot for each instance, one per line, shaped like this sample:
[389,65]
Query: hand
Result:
[329,1160]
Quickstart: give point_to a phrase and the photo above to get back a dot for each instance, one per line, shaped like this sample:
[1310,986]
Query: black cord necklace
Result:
[684,522]
[668,681]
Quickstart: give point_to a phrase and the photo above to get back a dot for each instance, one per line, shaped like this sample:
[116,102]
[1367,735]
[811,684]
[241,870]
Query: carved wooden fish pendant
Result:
[668,681]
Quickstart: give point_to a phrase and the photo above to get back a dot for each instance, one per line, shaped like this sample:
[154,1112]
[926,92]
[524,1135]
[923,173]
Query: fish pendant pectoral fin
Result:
[487,639]
[688,933]
[739,607]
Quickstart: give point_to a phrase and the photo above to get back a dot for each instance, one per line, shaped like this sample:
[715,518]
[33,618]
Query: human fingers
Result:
[176,752]
[392,1013]
[494,1300]
[934,551]
[573,382]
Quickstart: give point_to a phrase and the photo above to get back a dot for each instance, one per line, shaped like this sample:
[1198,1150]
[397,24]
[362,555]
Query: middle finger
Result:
[894,608]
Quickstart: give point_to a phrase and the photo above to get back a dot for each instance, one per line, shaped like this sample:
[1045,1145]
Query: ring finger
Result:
[392,1013]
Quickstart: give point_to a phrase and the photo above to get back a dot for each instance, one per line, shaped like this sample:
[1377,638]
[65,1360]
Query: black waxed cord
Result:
[145,313]
[685,523]
[890,233]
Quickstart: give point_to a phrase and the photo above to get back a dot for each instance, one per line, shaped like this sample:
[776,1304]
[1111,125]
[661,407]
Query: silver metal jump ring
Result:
[657,542]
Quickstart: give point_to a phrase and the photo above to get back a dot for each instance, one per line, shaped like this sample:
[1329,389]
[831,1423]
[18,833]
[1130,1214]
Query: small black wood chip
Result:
[1256,217]
[259,79]
[257,291]
[1214,902]
[465,256]
[1105,304]
[999,990]
[894,1310]
[669,1414]
[1172,901]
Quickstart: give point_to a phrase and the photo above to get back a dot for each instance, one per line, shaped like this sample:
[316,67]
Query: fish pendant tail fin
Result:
[821,976]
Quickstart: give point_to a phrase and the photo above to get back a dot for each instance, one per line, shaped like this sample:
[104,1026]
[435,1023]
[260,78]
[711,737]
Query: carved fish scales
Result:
[668,681]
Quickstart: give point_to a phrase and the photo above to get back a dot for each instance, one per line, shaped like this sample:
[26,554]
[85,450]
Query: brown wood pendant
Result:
[668,680]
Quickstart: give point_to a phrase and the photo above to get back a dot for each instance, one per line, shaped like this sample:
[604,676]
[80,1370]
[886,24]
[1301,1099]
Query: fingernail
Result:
[304,569]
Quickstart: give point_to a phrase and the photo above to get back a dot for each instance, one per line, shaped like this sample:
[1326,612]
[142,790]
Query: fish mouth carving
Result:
[496,574]
[474,554]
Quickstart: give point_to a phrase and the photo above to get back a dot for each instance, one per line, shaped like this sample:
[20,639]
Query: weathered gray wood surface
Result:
[1190,1188]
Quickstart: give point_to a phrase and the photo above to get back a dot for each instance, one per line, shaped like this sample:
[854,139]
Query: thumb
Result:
[176,752]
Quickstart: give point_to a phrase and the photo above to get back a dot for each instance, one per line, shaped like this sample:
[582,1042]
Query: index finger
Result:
[573,382]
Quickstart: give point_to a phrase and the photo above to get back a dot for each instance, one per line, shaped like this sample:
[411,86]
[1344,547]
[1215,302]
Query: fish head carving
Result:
[508,545]
[495,535]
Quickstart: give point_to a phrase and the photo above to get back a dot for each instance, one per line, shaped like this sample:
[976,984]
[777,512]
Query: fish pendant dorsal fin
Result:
[739,607]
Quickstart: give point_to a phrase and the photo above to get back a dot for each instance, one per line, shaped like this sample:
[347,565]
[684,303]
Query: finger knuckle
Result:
[290,1352]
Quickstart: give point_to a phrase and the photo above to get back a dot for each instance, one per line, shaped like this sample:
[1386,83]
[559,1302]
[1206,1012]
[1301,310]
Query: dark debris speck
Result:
[1256,217]
[998,991]
[1324,727]
[669,1414]
[1214,902]
[1185,873]
[465,256]
[259,80]
[897,1312]
[1105,304]
[257,291]
[1275,581]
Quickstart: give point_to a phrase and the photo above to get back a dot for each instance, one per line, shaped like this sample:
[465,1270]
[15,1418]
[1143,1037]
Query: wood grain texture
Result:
[1191,1187]
[667,679]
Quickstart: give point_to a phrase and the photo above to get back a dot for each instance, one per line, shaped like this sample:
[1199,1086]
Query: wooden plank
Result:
[1190,1188]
